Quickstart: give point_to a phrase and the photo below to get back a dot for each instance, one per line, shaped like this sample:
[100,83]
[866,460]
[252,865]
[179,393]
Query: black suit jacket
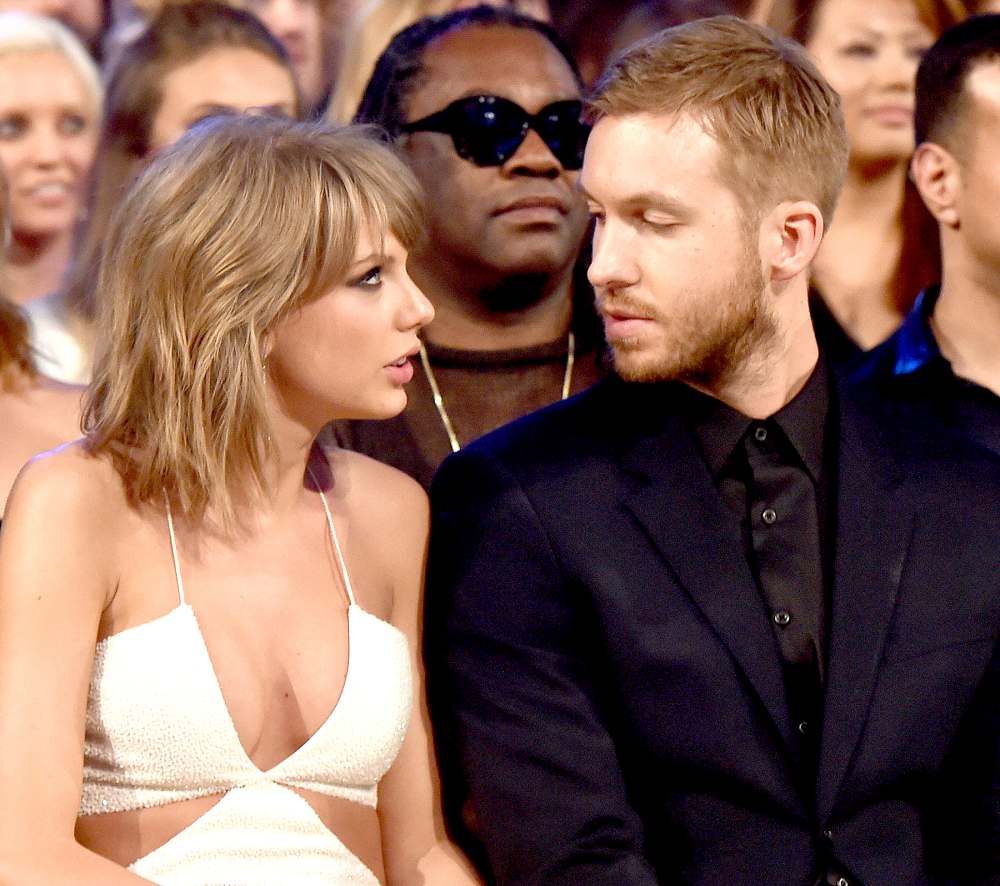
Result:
[606,686]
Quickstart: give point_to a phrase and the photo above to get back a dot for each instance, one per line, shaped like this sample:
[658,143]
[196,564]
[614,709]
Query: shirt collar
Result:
[719,429]
[915,342]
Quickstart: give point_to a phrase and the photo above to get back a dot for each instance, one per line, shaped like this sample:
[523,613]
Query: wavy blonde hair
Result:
[221,238]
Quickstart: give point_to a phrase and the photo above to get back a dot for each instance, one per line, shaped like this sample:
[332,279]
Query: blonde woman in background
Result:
[50,105]
[192,60]
[209,648]
[36,413]
[375,25]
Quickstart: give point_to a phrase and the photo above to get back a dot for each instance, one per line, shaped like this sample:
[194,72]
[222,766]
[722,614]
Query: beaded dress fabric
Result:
[158,731]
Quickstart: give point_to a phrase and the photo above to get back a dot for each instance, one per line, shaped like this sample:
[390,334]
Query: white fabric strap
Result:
[173,550]
[336,542]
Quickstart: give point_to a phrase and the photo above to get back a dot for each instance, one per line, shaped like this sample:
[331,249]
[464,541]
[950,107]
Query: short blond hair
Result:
[777,120]
[221,238]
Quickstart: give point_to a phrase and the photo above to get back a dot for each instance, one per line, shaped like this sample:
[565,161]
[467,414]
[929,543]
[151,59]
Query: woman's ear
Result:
[793,231]
[938,177]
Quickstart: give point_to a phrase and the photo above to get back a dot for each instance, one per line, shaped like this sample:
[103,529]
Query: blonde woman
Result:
[374,26]
[208,630]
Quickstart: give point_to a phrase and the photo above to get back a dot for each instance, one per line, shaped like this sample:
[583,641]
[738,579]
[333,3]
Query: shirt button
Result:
[769,516]
[782,617]
[843,881]
[828,834]
[760,434]
[803,727]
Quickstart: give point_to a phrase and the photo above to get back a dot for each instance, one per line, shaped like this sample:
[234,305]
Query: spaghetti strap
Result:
[173,550]
[336,542]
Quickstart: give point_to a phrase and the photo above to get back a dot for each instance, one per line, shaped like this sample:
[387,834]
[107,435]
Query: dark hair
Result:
[179,34]
[399,68]
[943,71]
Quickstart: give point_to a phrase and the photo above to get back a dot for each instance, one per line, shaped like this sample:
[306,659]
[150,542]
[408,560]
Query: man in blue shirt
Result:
[946,355]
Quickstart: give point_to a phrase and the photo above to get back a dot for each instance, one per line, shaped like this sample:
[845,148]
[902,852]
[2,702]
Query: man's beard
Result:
[707,340]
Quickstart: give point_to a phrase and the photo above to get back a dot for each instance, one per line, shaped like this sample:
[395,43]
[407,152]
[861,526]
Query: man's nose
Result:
[533,157]
[612,264]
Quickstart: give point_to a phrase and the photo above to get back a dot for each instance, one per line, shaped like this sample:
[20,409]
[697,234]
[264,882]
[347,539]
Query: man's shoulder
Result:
[598,420]
[563,447]
[885,420]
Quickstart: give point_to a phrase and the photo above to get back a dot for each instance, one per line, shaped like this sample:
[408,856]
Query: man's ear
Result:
[791,237]
[938,178]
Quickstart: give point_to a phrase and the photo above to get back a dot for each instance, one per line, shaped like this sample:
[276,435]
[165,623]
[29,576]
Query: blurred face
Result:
[523,216]
[977,136]
[85,17]
[224,80]
[298,25]
[48,132]
[347,354]
[535,8]
[676,270]
[869,51]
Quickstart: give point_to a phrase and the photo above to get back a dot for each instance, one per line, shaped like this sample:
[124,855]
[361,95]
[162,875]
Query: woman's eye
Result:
[72,124]
[371,278]
[12,127]
[859,50]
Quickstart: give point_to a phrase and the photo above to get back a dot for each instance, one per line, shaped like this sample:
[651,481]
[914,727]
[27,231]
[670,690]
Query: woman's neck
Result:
[859,259]
[36,265]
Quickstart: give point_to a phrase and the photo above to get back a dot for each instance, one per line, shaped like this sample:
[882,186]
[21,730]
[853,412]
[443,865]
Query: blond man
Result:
[693,625]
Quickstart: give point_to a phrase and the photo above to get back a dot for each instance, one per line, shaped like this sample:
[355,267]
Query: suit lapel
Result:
[874,524]
[678,506]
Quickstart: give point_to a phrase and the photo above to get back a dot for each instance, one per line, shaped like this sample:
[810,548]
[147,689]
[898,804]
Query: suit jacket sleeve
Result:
[524,750]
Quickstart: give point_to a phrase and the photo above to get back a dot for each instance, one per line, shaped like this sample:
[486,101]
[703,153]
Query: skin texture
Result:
[869,52]
[78,562]
[224,80]
[687,288]
[959,182]
[477,238]
[677,275]
[298,25]
[48,134]
[86,17]
[37,415]
[354,331]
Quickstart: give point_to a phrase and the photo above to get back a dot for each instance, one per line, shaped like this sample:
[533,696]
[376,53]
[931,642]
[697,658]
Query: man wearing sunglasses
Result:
[724,619]
[485,107]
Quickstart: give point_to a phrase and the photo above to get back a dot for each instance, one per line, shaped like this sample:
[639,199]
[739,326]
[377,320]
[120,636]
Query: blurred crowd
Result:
[462,181]
[91,90]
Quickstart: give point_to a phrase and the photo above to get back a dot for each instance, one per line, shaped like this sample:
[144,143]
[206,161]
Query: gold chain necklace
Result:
[439,400]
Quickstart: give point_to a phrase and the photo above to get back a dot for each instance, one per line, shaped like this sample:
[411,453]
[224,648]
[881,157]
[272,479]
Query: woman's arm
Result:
[415,845]
[55,580]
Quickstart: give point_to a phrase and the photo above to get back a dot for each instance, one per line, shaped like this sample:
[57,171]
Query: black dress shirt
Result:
[775,475]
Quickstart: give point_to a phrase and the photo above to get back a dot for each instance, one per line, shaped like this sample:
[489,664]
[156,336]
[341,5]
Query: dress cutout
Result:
[158,731]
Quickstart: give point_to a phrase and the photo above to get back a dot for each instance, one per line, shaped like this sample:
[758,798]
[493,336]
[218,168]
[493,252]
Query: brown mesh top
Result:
[481,390]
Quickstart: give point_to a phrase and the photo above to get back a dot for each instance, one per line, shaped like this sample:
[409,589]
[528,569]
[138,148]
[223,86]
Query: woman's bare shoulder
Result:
[374,488]
[67,483]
